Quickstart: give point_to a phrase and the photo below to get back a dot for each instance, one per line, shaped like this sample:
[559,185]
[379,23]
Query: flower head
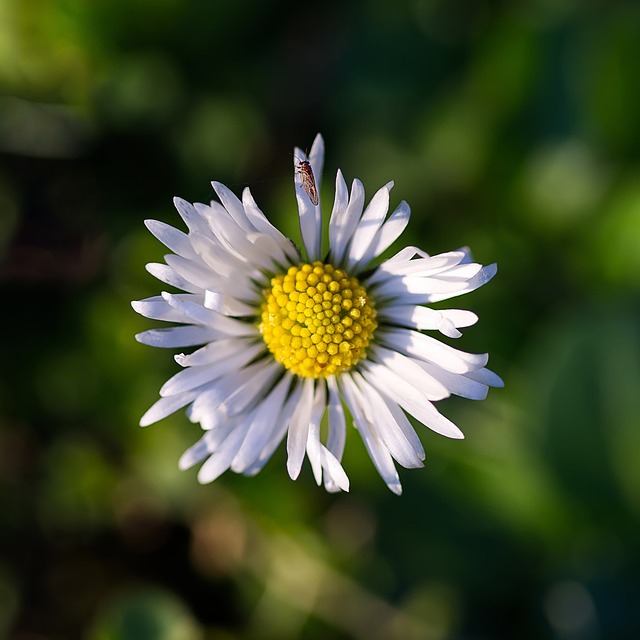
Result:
[287,338]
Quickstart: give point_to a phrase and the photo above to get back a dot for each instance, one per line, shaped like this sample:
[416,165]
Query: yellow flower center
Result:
[316,320]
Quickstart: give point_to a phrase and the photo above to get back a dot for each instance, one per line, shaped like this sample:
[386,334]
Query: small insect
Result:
[308,181]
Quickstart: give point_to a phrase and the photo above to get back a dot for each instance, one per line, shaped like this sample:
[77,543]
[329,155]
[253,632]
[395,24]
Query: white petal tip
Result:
[396,488]
[293,470]
[332,487]
[449,331]
[496,381]
[208,472]
[146,420]
[186,461]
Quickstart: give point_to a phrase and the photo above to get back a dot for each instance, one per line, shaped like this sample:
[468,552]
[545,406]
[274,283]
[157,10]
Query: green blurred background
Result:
[511,127]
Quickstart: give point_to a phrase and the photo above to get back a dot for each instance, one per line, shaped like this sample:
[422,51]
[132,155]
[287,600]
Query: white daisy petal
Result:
[262,426]
[310,214]
[221,460]
[377,451]
[233,205]
[172,238]
[369,225]
[201,315]
[314,452]
[346,224]
[483,276]
[208,444]
[459,317]
[413,343]
[245,291]
[260,222]
[228,395]
[232,238]
[335,478]
[215,256]
[446,321]
[401,448]
[194,454]
[316,158]
[463,271]
[409,369]
[422,266]
[279,430]
[177,337]
[214,437]
[309,224]
[193,377]
[205,407]
[269,246]
[252,389]
[410,399]
[412,316]
[198,274]
[337,433]
[440,284]
[467,254]
[388,233]
[405,426]
[166,406]
[484,376]
[403,255]
[337,219]
[227,305]
[193,220]
[168,275]
[217,351]
[282,343]
[157,308]
[337,422]
[460,385]
[299,429]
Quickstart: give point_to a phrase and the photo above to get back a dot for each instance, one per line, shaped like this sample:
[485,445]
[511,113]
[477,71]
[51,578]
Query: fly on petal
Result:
[308,181]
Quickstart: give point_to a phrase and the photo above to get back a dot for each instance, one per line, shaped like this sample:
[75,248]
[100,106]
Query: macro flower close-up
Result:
[277,439]
[288,338]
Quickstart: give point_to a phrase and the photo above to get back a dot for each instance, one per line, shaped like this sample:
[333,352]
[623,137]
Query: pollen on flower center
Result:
[316,320]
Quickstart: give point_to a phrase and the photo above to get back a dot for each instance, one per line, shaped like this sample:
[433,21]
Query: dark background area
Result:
[510,127]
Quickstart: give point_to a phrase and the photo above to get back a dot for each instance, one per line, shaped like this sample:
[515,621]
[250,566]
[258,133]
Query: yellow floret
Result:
[316,320]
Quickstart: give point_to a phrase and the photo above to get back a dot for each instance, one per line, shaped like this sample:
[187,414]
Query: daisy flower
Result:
[288,338]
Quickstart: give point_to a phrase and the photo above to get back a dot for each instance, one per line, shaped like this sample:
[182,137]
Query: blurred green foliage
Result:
[509,127]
